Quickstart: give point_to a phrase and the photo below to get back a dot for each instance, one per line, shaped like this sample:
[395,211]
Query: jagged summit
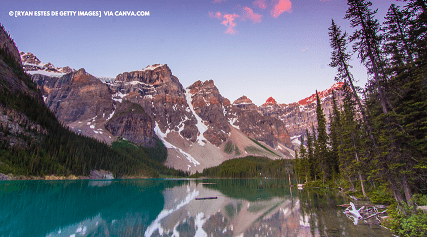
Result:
[322,94]
[242,100]
[270,101]
[33,65]
[244,103]
[301,115]
[154,66]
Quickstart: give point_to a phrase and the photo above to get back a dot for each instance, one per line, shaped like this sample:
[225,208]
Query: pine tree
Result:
[340,59]
[335,135]
[397,26]
[304,166]
[367,43]
[350,161]
[321,148]
[310,156]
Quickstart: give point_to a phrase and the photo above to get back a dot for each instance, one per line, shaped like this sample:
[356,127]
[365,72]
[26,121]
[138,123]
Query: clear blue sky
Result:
[257,48]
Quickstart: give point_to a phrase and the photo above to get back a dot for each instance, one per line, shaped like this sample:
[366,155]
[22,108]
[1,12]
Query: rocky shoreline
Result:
[94,175]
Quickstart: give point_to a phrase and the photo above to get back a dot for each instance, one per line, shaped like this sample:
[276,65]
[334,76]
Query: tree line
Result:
[249,167]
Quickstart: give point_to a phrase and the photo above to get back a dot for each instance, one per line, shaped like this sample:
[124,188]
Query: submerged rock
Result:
[101,174]
[3,177]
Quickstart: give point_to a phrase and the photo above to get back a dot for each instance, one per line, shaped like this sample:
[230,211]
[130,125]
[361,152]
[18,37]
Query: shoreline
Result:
[54,177]
[94,175]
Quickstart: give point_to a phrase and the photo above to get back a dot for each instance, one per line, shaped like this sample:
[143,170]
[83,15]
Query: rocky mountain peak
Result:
[244,103]
[322,94]
[33,65]
[208,104]
[29,58]
[206,93]
[156,74]
[270,101]
[302,115]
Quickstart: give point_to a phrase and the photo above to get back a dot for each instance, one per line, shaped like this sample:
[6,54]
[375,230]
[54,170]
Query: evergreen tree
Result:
[397,45]
[310,156]
[367,43]
[340,59]
[321,149]
[335,135]
[304,166]
[350,147]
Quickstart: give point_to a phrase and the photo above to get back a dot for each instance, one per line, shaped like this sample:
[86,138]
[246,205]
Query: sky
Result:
[257,48]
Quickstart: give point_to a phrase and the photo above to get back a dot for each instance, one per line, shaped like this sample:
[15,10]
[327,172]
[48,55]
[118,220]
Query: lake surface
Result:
[159,207]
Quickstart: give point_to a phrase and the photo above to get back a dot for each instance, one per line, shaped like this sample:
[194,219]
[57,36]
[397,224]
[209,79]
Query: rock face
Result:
[161,95]
[79,96]
[195,124]
[132,123]
[245,116]
[302,115]
[210,106]
[244,103]
[218,114]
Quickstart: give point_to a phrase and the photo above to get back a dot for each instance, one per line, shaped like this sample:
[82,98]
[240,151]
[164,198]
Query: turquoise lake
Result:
[168,207]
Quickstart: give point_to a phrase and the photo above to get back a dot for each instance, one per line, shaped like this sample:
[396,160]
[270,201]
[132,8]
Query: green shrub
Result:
[228,148]
[381,195]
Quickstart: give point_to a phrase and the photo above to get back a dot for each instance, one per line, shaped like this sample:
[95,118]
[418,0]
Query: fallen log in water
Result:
[376,214]
[203,198]
[360,205]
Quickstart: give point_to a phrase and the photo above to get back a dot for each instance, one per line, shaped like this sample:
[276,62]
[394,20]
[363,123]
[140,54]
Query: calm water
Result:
[169,208]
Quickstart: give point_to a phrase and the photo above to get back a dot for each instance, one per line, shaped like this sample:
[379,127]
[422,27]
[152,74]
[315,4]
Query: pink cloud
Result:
[260,3]
[280,7]
[219,1]
[249,14]
[215,15]
[229,21]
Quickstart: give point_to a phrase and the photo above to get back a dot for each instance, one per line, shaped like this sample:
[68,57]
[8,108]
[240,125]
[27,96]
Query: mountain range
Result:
[197,124]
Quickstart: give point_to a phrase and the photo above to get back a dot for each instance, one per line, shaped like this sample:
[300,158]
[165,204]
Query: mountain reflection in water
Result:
[169,208]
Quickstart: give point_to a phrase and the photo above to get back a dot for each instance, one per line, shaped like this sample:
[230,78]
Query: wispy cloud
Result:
[229,22]
[219,1]
[277,7]
[280,7]
[304,49]
[248,13]
[260,3]
[215,15]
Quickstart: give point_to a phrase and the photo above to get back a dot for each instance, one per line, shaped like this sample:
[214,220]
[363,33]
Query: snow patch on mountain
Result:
[152,67]
[118,94]
[46,73]
[163,136]
[200,125]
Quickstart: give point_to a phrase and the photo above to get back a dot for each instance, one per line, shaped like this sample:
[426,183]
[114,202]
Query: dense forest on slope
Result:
[38,144]
[380,139]
[250,167]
